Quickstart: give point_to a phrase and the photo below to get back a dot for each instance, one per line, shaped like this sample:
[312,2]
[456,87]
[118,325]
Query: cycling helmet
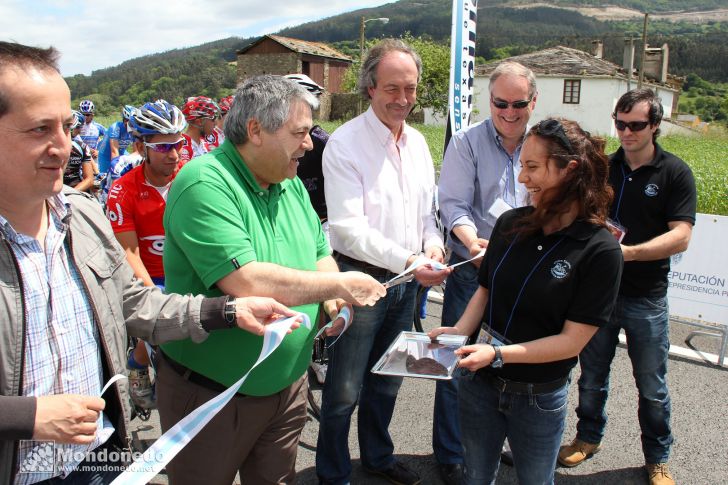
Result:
[306,82]
[86,107]
[226,103]
[78,120]
[127,111]
[157,118]
[200,107]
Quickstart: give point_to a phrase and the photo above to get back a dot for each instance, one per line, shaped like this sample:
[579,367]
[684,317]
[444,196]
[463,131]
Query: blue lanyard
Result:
[525,282]
[621,192]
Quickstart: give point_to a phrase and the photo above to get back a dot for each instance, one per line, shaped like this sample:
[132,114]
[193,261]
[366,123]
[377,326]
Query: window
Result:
[572,91]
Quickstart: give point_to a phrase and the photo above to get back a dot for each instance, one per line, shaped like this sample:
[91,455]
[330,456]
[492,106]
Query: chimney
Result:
[656,63]
[628,61]
[598,48]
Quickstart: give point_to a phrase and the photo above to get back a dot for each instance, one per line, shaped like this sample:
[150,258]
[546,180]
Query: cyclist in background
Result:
[135,207]
[218,136]
[91,131]
[79,172]
[117,139]
[200,112]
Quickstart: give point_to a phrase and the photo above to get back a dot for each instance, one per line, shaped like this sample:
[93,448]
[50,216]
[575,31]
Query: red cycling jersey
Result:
[135,205]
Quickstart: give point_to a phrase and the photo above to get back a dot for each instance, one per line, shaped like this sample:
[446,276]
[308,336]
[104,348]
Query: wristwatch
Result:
[497,362]
[230,312]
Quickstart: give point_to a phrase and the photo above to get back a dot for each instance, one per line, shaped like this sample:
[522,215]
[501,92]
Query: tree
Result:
[432,92]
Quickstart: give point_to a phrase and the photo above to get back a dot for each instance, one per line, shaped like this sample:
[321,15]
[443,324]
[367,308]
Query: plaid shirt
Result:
[62,348]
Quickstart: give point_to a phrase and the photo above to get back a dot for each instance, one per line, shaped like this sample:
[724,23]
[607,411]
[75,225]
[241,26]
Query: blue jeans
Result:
[646,324]
[533,424]
[349,380]
[461,285]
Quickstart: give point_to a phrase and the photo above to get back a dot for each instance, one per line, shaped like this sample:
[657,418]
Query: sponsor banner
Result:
[462,62]
[698,278]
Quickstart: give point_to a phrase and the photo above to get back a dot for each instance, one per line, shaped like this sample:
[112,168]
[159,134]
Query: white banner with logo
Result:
[698,278]
[462,62]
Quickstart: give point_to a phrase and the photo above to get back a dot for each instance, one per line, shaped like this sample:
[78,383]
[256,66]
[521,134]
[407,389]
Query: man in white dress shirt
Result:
[379,184]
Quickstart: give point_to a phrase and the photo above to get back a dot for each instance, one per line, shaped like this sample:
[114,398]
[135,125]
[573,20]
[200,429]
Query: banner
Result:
[462,63]
[698,278]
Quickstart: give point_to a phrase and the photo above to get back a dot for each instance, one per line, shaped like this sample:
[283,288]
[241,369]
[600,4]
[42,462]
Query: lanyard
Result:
[621,192]
[525,282]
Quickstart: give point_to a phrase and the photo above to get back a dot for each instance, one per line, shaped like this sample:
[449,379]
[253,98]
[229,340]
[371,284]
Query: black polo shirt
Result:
[644,202]
[311,173]
[575,275]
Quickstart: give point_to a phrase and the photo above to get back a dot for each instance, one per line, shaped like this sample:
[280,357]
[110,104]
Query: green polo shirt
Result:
[217,219]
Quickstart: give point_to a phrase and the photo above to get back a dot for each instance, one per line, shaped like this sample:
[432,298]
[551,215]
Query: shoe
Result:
[578,451]
[142,389]
[659,474]
[451,473]
[398,474]
[320,371]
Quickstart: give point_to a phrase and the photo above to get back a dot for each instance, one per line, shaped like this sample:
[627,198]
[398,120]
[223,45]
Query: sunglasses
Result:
[632,125]
[166,147]
[501,104]
[554,129]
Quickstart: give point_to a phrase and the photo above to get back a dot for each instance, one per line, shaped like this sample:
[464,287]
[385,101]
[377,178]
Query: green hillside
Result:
[502,31]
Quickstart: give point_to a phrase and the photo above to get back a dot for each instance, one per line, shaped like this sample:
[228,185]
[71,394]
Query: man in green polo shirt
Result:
[236,225]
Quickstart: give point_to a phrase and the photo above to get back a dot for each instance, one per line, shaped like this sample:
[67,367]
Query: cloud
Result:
[96,34]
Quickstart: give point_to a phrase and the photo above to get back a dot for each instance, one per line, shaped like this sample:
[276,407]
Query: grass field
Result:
[707,156]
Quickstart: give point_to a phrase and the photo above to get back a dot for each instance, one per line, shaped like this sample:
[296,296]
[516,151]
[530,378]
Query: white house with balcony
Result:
[580,86]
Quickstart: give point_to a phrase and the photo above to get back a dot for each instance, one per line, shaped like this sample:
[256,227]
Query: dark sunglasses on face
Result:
[501,104]
[165,147]
[632,125]
[554,129]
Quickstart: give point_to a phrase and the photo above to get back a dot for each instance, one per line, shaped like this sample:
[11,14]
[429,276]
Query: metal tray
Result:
[415,346]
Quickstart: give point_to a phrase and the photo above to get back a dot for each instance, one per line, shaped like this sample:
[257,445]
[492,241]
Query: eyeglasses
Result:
[501,104]
[166,147]
[632,125]
[553,128]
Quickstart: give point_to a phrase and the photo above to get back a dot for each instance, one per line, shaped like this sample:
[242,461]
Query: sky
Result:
[96,34]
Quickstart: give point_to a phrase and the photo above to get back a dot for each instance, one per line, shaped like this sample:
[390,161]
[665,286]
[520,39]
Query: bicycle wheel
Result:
[420,300]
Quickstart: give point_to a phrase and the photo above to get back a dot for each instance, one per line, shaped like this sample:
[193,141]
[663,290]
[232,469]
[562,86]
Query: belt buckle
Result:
[501,384]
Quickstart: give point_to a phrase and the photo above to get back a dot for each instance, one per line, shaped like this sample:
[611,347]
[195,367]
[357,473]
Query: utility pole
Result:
[644,51]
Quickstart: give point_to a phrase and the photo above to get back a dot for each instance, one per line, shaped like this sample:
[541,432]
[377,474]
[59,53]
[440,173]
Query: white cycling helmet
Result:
[157,118]
[87,107]
[306,82]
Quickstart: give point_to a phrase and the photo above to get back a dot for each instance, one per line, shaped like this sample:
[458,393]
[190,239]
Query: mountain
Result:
[697,42]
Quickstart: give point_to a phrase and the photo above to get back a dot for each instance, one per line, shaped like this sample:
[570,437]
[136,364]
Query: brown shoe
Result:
[578,451]
[659,474]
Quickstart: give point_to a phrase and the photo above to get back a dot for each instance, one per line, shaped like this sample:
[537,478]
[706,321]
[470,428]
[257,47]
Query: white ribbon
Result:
[407,275]
[170,443]
[344,313]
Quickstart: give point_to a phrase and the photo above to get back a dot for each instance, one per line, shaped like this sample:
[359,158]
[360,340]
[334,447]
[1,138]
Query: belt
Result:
[192,376]
[515,387]
[367,268]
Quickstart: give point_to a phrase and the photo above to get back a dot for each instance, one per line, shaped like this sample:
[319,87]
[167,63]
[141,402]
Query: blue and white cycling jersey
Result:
[91,132]
[117,131]
[119,166]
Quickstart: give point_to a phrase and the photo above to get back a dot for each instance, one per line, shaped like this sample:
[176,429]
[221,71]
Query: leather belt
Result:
[367,268]
[192,376]
[515,387]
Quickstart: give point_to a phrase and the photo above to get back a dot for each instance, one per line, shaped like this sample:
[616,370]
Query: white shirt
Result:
[379,193]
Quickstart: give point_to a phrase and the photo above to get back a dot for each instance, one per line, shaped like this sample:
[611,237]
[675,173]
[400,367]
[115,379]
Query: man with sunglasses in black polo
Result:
[478,182]
[654,209]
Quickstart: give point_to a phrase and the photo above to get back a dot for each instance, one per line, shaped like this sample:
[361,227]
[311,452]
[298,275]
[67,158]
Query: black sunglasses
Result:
[501,104]
[553,128]
[632,125]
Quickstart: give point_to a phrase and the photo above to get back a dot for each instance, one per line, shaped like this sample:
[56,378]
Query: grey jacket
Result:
[120,303]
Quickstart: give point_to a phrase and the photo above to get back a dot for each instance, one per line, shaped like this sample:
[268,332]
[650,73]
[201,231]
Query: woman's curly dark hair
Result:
[587,184]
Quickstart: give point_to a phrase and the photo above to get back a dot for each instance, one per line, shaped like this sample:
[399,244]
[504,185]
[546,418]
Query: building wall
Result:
[594,111]
[254,64]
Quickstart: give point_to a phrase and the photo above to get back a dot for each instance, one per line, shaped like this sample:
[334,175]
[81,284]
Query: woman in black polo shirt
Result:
[548,281]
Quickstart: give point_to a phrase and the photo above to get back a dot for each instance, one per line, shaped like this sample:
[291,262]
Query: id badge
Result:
[499,207]
[490,336]
[617,230]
